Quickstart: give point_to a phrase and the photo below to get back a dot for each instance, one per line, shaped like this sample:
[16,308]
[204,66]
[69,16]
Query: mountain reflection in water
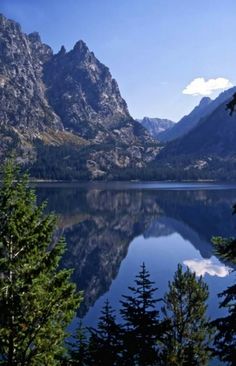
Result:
[100,224]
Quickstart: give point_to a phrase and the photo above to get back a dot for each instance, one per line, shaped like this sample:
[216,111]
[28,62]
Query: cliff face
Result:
[22,98]
[83,93]
[156,126]
[68,101]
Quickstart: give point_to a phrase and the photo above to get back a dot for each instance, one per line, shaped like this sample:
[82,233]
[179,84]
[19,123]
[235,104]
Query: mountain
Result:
[205,108]
[82,92]
[207,151]
[62,114]
[156,125]
[24,110]
[187,122]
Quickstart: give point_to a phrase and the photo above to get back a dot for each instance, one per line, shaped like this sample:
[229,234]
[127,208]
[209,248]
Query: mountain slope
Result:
[82,91]
[23,102]
[204,109]
[155,126]
[63,114]
[24,110]
[214,135]
[207,151]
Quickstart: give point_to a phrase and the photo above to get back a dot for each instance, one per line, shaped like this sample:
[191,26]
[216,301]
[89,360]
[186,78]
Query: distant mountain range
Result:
[156,126]
[63,117]
[208,150]
[188,122]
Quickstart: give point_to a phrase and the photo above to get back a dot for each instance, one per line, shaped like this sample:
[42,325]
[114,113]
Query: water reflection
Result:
[205,266]
[99,226]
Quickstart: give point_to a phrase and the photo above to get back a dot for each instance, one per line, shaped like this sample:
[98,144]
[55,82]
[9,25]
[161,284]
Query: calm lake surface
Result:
[111,229]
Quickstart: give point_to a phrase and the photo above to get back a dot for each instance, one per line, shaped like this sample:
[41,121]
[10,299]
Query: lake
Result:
[112,228]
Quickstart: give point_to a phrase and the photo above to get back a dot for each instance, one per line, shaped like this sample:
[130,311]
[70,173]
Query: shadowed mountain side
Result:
[206,152]
[188,122]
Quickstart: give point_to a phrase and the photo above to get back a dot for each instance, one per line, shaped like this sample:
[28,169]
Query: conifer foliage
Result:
[143,328]
[178,336]
[225,338]
[106,341]
[188,337]
[78,348]
[37,300]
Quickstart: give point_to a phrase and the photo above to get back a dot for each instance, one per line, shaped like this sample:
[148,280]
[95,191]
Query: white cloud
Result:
[200,86]
[205,266]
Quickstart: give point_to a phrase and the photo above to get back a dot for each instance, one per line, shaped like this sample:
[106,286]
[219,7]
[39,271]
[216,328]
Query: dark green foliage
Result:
[78,348]
[187,340]
[64,162]
[9,141]
[143,328]
[69,162]
[225,338]
[226,248]
[36,300]
[105,344]
[180,338]
[135,341]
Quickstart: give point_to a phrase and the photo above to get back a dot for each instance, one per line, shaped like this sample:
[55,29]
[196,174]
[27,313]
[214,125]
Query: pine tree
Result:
[105,344]
[37,300]
[79,348]
[143,328]
[187,340]
[225,337]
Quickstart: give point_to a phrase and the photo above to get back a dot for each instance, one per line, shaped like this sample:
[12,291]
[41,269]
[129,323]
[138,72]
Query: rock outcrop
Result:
[23,102]
[64,102]
[156,126]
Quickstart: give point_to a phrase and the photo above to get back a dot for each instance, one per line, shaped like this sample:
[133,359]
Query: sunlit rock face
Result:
[24,109]
[23,102]
[83,92]
[156,126]
[65,111]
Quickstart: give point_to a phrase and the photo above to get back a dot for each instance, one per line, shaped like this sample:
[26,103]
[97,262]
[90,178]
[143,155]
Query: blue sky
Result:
[154,48]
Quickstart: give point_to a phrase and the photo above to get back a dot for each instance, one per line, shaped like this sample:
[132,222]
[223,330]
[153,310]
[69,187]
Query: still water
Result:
[111,229]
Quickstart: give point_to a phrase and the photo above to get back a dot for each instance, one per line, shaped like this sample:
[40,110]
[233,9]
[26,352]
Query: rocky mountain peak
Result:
[81,47]
[68,100]
[23,105]
[205,101]
[81,54]
[82,91]
[62,51]
[9,24]
[34,37]
[40,52]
